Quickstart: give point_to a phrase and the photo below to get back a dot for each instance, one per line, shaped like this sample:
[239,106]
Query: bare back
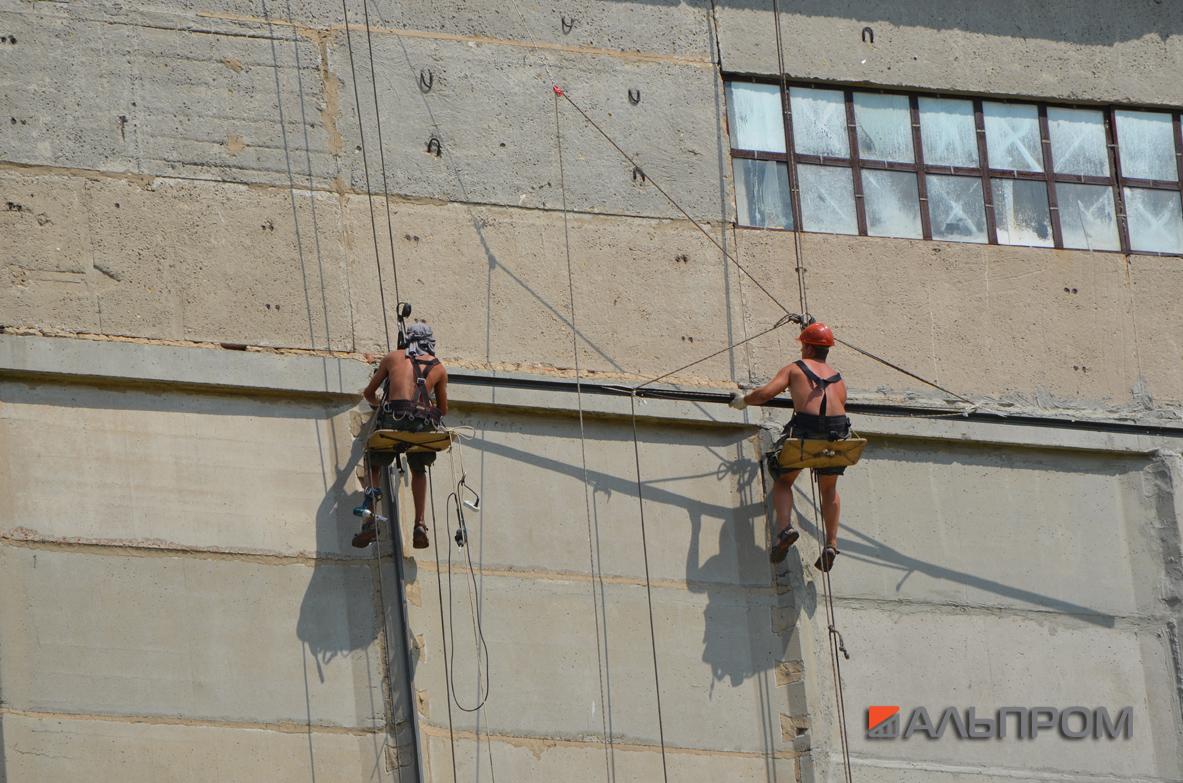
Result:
[807,396]
[397,372]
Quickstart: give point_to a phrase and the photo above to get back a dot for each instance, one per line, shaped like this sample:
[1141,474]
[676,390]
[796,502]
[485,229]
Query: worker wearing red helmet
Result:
[819,413]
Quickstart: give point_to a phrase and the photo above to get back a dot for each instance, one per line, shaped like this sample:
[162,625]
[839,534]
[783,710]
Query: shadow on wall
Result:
[1052,20]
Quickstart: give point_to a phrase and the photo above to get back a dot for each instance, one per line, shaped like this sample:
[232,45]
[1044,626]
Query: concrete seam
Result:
[281,727]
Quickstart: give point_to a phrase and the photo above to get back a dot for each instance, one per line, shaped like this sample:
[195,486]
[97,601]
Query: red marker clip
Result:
[558,90]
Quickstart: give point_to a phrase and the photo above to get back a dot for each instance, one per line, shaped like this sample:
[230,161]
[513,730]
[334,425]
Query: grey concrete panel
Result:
[716,651]
[992,526]
[176,260]
[939,659]
[493,110]
[990,322]
[215,639]
[98,91]
[1065,50]
[42,748]
[538,760]
[177,470]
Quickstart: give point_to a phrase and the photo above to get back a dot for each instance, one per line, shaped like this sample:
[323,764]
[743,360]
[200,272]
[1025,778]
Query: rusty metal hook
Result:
[868,35]
[568,24]
[426,80]
[634,96]
[435,147]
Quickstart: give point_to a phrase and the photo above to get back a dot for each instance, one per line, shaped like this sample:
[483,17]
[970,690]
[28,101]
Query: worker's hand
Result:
[737,401]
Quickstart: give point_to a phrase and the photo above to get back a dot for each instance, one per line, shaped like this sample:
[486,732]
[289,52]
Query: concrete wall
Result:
[192,240]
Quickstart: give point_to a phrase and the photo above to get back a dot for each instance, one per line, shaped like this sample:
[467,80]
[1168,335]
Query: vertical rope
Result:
[601,652]
[439,586]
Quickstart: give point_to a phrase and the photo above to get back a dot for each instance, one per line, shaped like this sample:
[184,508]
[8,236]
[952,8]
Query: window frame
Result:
[856,164]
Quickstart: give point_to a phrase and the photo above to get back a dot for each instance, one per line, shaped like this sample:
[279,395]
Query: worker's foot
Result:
[419,539]
[780,547]
[826,561]
[366,535]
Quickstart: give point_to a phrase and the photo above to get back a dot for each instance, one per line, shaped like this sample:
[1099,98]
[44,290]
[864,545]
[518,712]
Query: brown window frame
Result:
[1116,180]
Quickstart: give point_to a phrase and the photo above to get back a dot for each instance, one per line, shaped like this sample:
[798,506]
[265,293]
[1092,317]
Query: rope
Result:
[439,586]
[478,630]
[609,749]
[366,168]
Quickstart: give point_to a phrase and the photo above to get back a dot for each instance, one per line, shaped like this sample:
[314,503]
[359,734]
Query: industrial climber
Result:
[819,413]
[415,397]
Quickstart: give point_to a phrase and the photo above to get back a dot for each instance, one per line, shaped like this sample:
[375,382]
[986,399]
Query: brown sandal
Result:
[826,561]
[366,535]
[419,538]
[780,547]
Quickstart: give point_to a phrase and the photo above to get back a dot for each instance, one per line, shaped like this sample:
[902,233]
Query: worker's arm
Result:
[379,375]
[441,392]
[778,384]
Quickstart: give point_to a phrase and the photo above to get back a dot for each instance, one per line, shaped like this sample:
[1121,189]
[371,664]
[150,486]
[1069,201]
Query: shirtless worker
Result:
[414,399]
[819,413]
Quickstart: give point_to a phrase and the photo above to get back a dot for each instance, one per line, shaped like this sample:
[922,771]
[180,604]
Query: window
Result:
[874,163]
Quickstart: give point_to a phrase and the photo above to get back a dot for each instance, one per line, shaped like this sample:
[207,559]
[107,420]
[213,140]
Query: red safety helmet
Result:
[817,334]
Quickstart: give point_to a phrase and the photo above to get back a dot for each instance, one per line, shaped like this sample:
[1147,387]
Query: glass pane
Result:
[1146,143]
[1155,220]
[827,199]
[762,193]
[1078,141]
[1021,212]
[1012,136]
[884,127]
[947,132]
[955,208]
[1087,219]
[893,205]
[756,117]
[819,122]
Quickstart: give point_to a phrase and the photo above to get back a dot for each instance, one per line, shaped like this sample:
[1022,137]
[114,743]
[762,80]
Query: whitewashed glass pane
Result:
[884,124]
[1021,213]
[819,122]
[892,202]
[1087,219]
[827,199]
[1155,220]
[955,208]
[1078,141]
[1146,143]
[947,132]
[756,117]
[1012,136]
[762,193]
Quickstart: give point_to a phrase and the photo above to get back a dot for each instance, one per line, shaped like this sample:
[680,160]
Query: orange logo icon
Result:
[883,722]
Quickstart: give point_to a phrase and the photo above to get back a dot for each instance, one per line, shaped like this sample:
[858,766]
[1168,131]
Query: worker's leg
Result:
[419,494]
[375,476]
[782,499]
[831,507]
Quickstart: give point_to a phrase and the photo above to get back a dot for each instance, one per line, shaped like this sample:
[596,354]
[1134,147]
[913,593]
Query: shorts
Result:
[419,461]
[808,426]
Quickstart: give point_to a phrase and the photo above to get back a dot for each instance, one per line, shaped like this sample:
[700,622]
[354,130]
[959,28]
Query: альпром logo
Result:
[883,722]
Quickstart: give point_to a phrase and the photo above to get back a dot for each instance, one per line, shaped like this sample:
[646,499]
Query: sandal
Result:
[826,561]
[366,535]
[780,547]
[419,539]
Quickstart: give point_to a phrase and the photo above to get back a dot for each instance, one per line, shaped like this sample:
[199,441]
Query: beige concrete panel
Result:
[214,639]
[938,659]
[42,748]
[174,259]
[494,112]
[176,470]
[97,91]
[703,499]
[1153,328]
[1066,50]
[717,653]
[541,761]
[493,281]
[985,321]
[995,526]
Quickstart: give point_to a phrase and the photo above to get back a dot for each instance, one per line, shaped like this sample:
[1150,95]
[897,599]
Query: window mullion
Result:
[984,164]
[1178,127]
[860,209]
[1123,226]
[918,157]
[791,158]
[1052,201]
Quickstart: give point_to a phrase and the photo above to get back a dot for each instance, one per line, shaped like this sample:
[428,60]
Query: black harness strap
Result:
[422,370]
[817,380]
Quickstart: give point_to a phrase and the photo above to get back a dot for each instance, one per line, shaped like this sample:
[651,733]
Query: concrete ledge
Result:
[145,363]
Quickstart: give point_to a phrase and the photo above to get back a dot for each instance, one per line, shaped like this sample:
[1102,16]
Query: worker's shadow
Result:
[752,606]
